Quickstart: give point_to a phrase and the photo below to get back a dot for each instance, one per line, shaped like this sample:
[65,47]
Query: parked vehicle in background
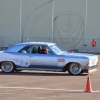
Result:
[28,56]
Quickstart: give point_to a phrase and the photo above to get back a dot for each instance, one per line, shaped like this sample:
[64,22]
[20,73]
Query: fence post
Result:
[73,43]
[2,40]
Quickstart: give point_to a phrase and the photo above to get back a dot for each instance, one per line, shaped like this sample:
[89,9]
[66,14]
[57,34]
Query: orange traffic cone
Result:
[88,85]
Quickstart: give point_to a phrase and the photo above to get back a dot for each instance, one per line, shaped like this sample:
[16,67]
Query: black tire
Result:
[7,67]
[74,69]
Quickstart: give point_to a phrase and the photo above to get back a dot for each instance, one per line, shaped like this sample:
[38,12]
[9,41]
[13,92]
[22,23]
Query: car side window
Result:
[46,50]
[36,50]
[39,50]
[26,49]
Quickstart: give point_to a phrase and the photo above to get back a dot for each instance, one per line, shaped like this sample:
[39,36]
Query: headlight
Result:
[93,62]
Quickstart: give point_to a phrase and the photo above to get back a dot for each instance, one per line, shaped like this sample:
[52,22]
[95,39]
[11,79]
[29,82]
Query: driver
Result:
[44,51]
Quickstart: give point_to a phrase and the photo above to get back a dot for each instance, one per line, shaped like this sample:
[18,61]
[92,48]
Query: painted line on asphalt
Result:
[30,88]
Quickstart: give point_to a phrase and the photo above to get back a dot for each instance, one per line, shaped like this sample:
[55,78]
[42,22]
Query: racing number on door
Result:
[61,60]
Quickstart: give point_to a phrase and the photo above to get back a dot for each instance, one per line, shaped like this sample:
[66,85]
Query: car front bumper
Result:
[90,69]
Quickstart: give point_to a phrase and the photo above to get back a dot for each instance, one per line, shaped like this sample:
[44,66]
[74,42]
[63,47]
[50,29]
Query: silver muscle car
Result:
[29,56]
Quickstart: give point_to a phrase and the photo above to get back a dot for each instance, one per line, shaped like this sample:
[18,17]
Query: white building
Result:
[69,22]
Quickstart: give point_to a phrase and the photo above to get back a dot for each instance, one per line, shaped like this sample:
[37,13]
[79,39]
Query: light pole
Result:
[52,20]
[20,20]
[85,22]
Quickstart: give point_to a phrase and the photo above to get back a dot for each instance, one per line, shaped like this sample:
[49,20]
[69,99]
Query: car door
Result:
[44,61]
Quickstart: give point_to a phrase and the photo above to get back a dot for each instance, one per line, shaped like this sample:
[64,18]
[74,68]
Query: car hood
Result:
[80,55]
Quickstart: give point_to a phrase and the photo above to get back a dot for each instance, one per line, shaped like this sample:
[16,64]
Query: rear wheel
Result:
[74,69]
[7,67]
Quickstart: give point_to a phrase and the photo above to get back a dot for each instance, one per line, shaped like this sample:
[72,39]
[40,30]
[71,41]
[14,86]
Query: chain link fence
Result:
[66,43]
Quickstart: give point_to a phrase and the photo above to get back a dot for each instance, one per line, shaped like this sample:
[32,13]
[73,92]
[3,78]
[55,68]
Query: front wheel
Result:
[7,67]
[74,69]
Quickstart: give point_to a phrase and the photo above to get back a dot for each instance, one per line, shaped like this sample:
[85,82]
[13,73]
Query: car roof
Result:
[17,47]
[39,43]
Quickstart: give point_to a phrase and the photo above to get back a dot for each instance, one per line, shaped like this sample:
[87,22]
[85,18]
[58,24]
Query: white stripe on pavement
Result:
[31,88]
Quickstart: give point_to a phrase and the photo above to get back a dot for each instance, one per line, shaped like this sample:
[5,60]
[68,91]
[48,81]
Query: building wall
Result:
[93,19]
[9,17]
[36,20]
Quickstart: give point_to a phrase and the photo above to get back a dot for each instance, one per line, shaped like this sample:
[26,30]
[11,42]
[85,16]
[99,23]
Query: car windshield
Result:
[57,49]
